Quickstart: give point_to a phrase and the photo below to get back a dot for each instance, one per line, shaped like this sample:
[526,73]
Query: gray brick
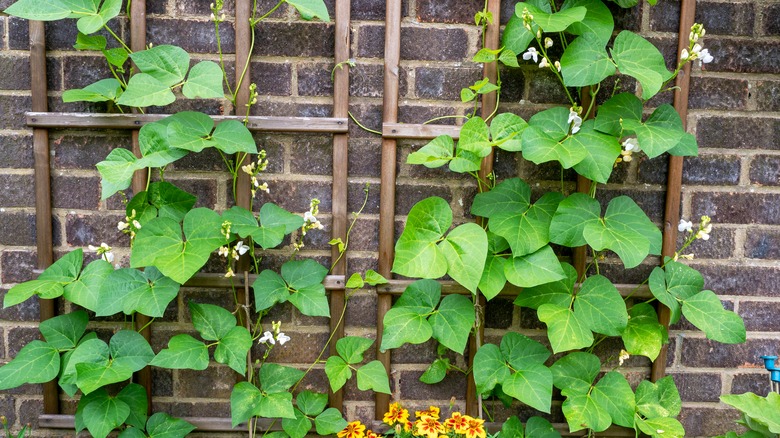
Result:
[738,132]
[768,95]
[445,83]
[272,78]
[743,56]
[760,315]
[19,229]
[756,382]
[16,151]
[17,266]
[715,93]
[315,80]
[762,244]
[448,11]
[299,39]
[82,193]
[83,230]
[452,386]
[701,421]
[17,191]
[742,280]
[373,10]
[765,170]
[738,208]
[12,109]
[717,18]
[192,36]
[771,18]
[29,310]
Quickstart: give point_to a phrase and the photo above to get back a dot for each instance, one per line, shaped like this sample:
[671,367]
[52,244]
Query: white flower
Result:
[282,338]
[548,42]
[623,356]
[705,57]
[223,251]
[544,63]
[137,224]
[631,145]
[531,54]
[109,257]
[121,225]
[241,248]
[685,226]
[704,233]
[266,338]
[308,217]
[576,120]
[229,273]
[557,65]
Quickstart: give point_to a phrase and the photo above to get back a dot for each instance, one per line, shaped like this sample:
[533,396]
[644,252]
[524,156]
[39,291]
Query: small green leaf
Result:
[297,427]
[402,325]
[475,137]
[189,130]
[270,288]
[705,311]
[100,91]
[436,153]
[134,395]
[436,372]
[145,90]
[311,403]
[183,352]
[506,129]
[452,323]
[416,251]
[271,215]
[232,137]
[575,372]
[374,278]
[338,372]
[64,331]
[36,362]
[162,425]
[244,402]
[212,322]
[233,348]
[330,422]
[565,330]
[623,107]
[531,385]
[601,152]
[204,81]
[600,305]
[556,292]
[465,249]
[351,348]
[508,196]
[130,290]
[557,22]
[310,9]
[168,64]
[89,42]
[85,291]
[534,269]
[643,334]
[614,394]
[275,378]
[373,377]
[490,368]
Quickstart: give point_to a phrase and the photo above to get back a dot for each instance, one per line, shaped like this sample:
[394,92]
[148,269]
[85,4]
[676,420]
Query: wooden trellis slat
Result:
[449,287]
[335,125]
[418,131]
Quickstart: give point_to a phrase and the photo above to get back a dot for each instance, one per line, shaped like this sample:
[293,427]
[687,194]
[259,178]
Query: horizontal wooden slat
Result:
[134,121]
[396,287]
[422,132]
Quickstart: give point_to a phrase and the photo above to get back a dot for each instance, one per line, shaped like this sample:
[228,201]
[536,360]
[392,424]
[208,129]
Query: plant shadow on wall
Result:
[172,241]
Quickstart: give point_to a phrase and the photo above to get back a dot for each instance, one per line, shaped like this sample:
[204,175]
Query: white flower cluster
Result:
[274,336]
[130,225]
[233,253]
[696,52]
[574,119]
[104,251]
[253,169]
[702,231]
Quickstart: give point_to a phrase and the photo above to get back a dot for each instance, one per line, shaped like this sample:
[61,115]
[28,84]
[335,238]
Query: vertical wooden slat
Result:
[137,43]
[43,224]
[580,253]
[489,102]
[340,182]
[387,177]
[674,177]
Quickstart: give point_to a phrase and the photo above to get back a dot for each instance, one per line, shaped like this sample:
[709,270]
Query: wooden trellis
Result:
[40,120]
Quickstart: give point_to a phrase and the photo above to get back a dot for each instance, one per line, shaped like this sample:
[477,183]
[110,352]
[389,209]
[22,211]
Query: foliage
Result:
[760,415]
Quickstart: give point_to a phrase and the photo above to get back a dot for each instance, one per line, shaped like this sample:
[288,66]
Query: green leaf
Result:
[155,147]
[465,249]
[167,199]
[310,9]
[373,377]
[643,334]
[374,278]
[232,137]
[601,152]
[623,107]
[508,196]
[64,331]
[36,362]
[436,153]
[110,9]
[338,372]
[92,376]
[278,378]
[303,273]
[422,295]
[557,22]
[330,422]
[452,323]
[527,231]
[597,23]
[661,132]
[66,269]
[539,147]
[520,350]
[100,91]
[351,348]
[162,425]
[475,137]
[168,64]
[204,81]
[648,400]
[297,427]
[311,403]
[244,402]
[556,292]
[145,90]
[270,288]
[311,300]
[116,56]
[85,291]
[271,215]
[43,10]
[534,269]
[183,352]
[467,95]
[582,412]
[705,311]
[531,385]
[508,58]
[416,251]
[493,278]
[134,395]
[233,347]
[190,130]
[130,349]
[586,62]
[640,59]
[90,350]
[614,394]
[436,372]
[506,129]
[212,322]
[130,290]
[668,396]
[764,410]
[402,325]
[661,427]
[565,329]
[104,413]
[575,373]
[242,221]
[22,292]
[490,369]
[538,427]
[159,243]
[89,42]
[516,37]
[600,305]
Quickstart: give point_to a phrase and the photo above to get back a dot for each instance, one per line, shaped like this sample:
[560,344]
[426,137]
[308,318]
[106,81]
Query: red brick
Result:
[765,170]
[448,11]
[738,208]
[762,244]
[738,132]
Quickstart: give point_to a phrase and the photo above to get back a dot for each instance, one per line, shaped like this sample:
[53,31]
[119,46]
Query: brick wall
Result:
[734,112]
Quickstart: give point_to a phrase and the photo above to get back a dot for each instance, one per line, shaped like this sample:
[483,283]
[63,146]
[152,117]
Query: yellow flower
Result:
[475,429]
[457,423]
[429,427]
[371,434]
[396,415]
[353,430]
[432,411]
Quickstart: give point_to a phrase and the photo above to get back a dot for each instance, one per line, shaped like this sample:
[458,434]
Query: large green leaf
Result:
[520,350]
[452,322]
[51,282]
[764,410]
[489,368]
[614,394]
[351,348]
[436,153]
[565,329]
[586,62]
[92,376]
[661,132]
[531,385]
[183,352]
[43,10]
[705,311]
[623,107]
[661,427]
[643,334]
[204,81]
[582,412]
[303,273]
[311,403]
[159,243]
[162,199]
[506,130]
[493,278]
[36,362]
[416,251]
[134,395]
[311,301]
[534,269]
[330,422]
[373,377]
[310,9]
[556,292]
[338,372]
[129,290]
[104,413]
[575,372]
[673,283]
[271,216]
[101,91]
[515,36]
[597,23]
[145,90]
[232,136]
[465,249]
[155,147]
[540,147]
[270,288]
[89,350]
[640,59]
[162,425]
[85,291]
[212,322]
[168,64]
[233,347]
[600,305]
[23,291]
[572,216]
[190,130]
[552,22]
[244,402]
[527,230]
[475,137]
[64,331]
[297,427]
[507,197]
[276,378]
[601,152]
[405,324]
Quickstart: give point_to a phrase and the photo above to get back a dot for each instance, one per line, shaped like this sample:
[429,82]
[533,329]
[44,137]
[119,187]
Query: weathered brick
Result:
[61,34]
[17,266]
[706,353]
[80,71]
[192,36]
[315,80]
[83,230]
[448,11]
[743,56]
[272,78]
[296,196]
[701,421]
[370,41]
[77,192]
[83,151]
[627,18]
[16,151]
[364,235]
[207,106]
[711,170]
[364,158]
[373,10]
[406,195]
[361,310]
[367,80]
[312,155]
[369,116]
[204,9]
[299,39]
[18,337]
[720,245]
[771,19]
[512,84]
[717,18]
[755,382]
[432,44]
[762,244]
[652,202]
[19,229]
[14,72]
[760,315]
[767,95]
[17,191]
[738,132]
[411,113]
[304,347]
[213,382]
[445,83]
[208,159]
[454,385]
[12,109]
[7,406]
[765,170]
[742,280]
[356,195]
[505,164]
[698,387]
[738,208]
[29,412]
[162,382]
[195,409]
[716,93]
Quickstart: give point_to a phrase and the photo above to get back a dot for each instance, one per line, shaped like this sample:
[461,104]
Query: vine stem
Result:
[116,37]
[373,131]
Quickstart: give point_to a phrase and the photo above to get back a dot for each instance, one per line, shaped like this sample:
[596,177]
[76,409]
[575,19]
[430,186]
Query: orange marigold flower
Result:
[432,411]
[353,430]
[396,415]
[429,427]
[475,428]
[371,434]
[457,423]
